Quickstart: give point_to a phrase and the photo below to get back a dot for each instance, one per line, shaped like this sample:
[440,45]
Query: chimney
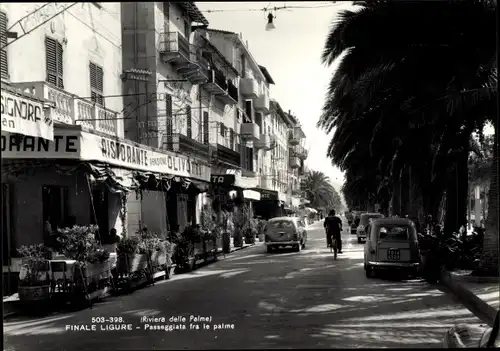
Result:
[246,42]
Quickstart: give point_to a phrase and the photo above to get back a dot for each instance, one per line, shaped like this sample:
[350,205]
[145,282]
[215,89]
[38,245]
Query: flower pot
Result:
[261,237]
[129,263]
[33,293]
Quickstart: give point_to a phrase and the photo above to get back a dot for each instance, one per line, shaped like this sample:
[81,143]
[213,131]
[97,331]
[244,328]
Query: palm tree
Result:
[411,101]
[320,192]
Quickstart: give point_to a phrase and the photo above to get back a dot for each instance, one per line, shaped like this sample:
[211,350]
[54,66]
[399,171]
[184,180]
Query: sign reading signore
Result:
[24,116]
[85,146]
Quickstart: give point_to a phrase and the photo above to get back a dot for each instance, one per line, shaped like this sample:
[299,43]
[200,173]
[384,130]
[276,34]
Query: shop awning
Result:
[115,178]
[247,194]
[310,210]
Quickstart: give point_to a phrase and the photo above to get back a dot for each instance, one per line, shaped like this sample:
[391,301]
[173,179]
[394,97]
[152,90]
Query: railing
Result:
[232,90]
[71,109]
[219,78]
[174,42]
[197,57]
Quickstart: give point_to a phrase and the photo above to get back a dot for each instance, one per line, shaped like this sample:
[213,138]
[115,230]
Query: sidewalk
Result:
[480,294]
[11,304]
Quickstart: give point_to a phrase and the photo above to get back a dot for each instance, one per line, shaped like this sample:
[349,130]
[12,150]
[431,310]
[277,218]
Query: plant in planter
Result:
[184,255]
[78,242]
[261,226]
[34,282]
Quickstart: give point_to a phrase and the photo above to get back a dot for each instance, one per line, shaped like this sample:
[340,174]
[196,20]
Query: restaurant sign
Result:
[86,146]
[25,116]
[268,194]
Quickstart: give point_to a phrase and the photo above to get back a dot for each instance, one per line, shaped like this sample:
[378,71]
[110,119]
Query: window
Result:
[96,83]
[231,138]
[54,62]
[206,135]
[187,28]
[222,130]
[281,224]
[189,122]
[3,41]
[55,206]
[395,233]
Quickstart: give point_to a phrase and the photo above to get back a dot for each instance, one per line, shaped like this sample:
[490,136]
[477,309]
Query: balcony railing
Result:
[293,138]
[183,143]
[226,156]
[294,162]
[222,88]
[174,48]
[71,109]
[249,88]
[300,152]
[262,103]
[197,71]
[263,143]
[250,131]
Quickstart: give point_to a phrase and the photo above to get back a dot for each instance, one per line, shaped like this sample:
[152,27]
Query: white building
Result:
[71,62]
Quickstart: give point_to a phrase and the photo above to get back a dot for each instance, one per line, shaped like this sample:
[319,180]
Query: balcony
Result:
[219,86]
[182,143]
[294,162]
[174,48]
[249,88]
[250,131]
[262,103]
[293,137]
[201,73]
[71,109]
[264,142]
[300,152]
[226,156]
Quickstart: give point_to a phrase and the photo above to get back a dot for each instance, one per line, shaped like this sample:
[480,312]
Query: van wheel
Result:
[359,240]
[298,247]
[303,245]
[369,272]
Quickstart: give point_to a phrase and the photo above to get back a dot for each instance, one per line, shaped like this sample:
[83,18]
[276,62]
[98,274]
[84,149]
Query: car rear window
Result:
[281,224]
[365,220]
[394,232]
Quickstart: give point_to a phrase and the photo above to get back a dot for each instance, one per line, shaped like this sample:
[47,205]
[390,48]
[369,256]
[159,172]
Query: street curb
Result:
[468,297]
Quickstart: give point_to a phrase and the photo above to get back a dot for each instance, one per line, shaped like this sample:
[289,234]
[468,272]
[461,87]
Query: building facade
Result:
[166,105]
[71,64]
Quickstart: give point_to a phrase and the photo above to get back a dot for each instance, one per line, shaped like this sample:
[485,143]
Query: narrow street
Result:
[279,300]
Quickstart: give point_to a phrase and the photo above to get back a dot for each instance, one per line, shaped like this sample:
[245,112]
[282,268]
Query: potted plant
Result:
[170,265]
[184,255]
[34,282]
[129,259]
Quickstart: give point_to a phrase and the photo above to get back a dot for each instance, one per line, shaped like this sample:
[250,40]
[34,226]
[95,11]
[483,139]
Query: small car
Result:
[356,219]
[363,222]
[281,232]
[391,244]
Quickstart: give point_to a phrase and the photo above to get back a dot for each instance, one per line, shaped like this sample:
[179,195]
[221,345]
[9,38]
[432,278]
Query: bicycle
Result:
[333,247]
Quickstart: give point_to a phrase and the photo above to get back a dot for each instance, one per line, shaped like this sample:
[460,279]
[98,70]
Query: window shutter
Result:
[206,135]
[170,125]
[3,41]
[189,122]
[54,62]
[96,83]
[222,129]
[231,138]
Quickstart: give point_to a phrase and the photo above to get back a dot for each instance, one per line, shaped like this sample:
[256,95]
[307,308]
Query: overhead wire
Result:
[268,8]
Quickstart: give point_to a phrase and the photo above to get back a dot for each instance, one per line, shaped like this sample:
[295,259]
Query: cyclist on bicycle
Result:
[333,227]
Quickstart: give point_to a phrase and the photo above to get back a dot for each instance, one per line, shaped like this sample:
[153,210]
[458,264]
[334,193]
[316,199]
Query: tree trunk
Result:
[456,199]
[396,196]
[405,192]
[489,264]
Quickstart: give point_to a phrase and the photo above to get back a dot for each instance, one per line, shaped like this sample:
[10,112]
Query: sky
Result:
[291,53]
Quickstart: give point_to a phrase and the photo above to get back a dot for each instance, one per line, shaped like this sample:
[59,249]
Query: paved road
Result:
[260,300]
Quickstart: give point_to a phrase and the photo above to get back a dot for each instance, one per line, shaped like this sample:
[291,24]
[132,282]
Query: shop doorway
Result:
[55,206]
[99,214]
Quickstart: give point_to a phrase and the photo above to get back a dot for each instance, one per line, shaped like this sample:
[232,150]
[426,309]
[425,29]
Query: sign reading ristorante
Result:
[86,146]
